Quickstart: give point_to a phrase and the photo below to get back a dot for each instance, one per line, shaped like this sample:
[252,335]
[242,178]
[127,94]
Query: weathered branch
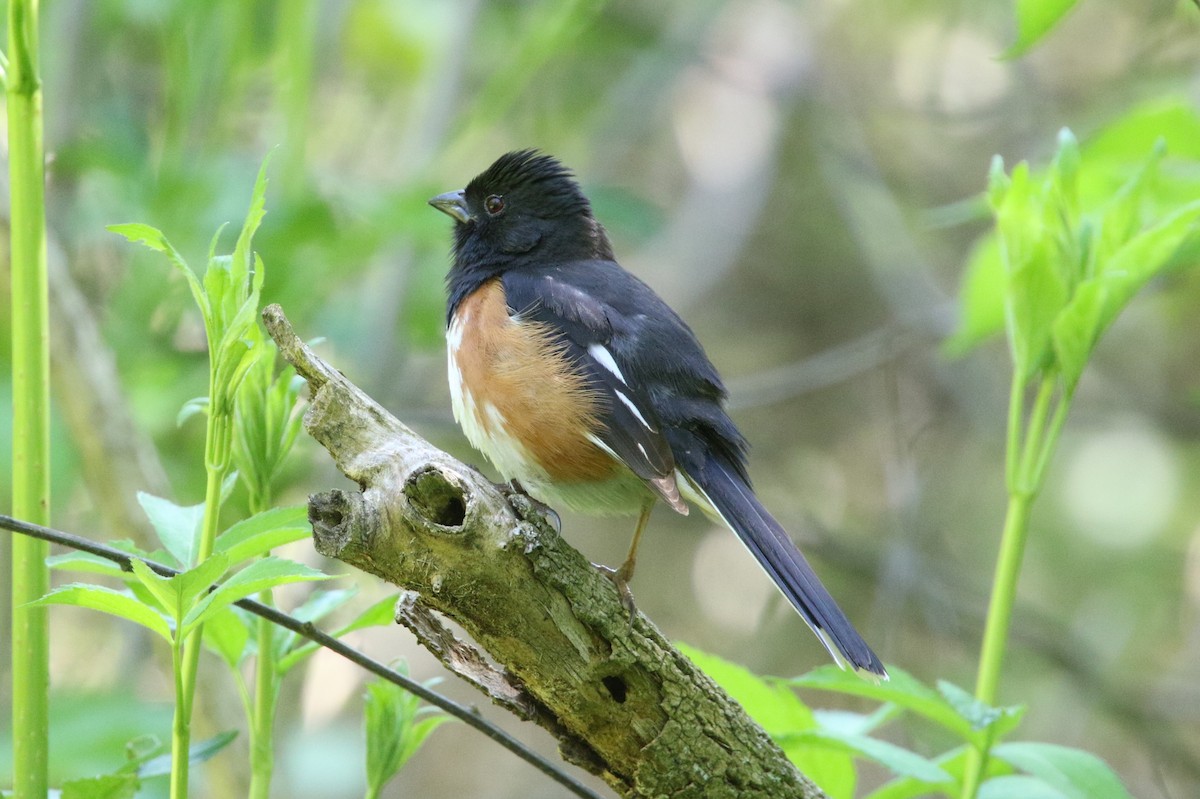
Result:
[622,702]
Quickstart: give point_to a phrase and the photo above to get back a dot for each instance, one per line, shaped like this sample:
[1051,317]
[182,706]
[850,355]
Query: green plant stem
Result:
[180,728]
[266,689]
[262,755]
[1004,592]
[216,460]
[995,636]
[1036,436]
[1026,461]
[31,401]
[1051,440]
[1016,417]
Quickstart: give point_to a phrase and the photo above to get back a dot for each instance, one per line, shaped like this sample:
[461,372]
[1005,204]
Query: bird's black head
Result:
[525,208]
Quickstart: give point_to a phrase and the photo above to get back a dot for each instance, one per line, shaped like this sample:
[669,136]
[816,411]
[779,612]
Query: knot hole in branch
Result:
[327,511]
[616,688]
[432,495]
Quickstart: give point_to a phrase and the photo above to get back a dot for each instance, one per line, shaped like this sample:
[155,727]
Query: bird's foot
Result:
[620,578]
[526,506]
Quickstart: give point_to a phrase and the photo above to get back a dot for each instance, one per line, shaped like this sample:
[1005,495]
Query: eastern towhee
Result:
[574,377]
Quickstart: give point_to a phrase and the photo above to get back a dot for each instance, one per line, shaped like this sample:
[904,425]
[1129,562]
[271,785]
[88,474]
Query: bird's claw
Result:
[620,579]
[525,505]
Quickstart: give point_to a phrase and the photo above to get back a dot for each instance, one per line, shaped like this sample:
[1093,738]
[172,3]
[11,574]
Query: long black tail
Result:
[740,509]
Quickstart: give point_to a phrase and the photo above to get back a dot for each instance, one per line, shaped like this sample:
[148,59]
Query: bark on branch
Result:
[560,650]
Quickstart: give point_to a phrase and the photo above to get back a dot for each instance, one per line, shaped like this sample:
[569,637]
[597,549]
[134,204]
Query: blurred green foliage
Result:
[1034,19]
[773,168]
[824,744]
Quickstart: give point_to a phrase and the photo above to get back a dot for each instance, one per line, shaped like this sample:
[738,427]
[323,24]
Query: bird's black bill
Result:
[453,203]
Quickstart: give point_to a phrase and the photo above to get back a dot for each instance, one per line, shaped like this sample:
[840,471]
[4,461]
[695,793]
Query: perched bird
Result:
[574,378]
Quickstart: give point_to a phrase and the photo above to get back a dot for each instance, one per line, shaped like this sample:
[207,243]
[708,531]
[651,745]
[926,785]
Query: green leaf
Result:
[1035,289]
[380,614]
[1172,118]
[979,715]
[856,723]
[155,240]
[178,527]
[85,562]
[1035,18]
[320,604]
[194,582]
[1064,172]
[981,298]
[220,290]
[784,717]
[1075,331]
[197,753]
[384,714]
[194,406]
[266,424]
[323,602]
[1147,253]
[138,233]
[259,575]
[1018,787]
[1036,295]
[898,760]
[775,707]
[139,750]
[422,730]
[1122,214]
[108,786]
[1099,300]
[263,532]
[164,590]
[1074,773]
[901,689]
[1119,149]
[393,733]
[999,183]
[951,762]
[254,217]
[177,594]
[227,634]
[106,600]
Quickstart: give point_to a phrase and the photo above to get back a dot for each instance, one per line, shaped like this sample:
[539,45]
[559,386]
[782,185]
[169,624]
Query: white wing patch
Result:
[595,439]
[633,409]
[603,357]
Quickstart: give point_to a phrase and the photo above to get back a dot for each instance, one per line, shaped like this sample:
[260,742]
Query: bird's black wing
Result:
[665,398]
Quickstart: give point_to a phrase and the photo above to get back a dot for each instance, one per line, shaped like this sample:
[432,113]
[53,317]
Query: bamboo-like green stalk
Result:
[180,727]
[266,690]
[216,462]
[262,733]
[1028,453]
[31,401]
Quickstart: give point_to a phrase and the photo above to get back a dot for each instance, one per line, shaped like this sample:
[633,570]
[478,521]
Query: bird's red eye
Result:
[494,204]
